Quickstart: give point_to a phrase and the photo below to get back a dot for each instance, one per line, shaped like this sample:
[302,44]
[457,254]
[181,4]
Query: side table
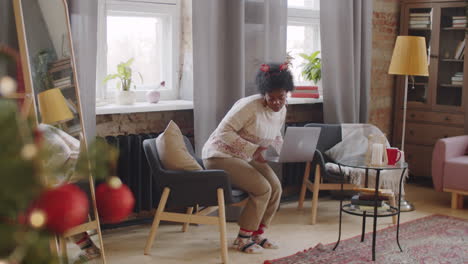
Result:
[350,209]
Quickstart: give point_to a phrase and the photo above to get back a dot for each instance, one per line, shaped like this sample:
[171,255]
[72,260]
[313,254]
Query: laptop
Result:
[298,146]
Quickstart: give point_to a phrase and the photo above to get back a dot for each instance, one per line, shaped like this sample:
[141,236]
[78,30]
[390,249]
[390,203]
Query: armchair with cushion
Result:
[450,168]
[330,135]
[210,189]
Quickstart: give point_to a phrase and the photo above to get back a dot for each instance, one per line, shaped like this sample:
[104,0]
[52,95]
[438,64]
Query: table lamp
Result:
[409,58]
[53,107]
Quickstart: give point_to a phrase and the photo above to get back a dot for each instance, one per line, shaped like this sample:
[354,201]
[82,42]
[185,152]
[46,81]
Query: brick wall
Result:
[154,122]
[385,30]
[136,123]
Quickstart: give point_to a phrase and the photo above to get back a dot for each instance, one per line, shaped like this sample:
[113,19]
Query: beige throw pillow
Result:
[172,150]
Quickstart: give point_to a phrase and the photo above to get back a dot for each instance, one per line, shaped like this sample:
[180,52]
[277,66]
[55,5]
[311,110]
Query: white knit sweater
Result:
[248,125]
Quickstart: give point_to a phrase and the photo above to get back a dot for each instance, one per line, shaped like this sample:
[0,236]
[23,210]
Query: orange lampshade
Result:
[53,107]
[409,56]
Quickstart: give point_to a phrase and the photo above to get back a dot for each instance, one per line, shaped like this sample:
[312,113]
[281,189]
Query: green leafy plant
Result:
[124,73]
[312,68]
[41,77]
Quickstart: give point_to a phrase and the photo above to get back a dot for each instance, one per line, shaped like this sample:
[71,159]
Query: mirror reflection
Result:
[51,67]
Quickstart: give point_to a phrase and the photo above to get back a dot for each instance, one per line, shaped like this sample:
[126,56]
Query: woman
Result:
[237,146]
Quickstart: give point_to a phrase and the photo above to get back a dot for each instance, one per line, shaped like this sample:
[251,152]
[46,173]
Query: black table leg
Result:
[374,233]
[366,184]
[399,203]
[363,226]
[341,210]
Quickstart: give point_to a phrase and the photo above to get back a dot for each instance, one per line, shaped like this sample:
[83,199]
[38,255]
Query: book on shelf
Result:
[418,26]
[417,22]
[460,21]
[72,106]
[367,202]
[305,95]
[63,79]
[62,82]
[420,19]
[459,49]
[305,92]
[457,83]
[383,208]
[459,17]
[64,86]
[420,14]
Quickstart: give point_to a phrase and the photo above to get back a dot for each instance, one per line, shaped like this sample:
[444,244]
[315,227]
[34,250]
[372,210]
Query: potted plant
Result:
[124,74]
[312,68]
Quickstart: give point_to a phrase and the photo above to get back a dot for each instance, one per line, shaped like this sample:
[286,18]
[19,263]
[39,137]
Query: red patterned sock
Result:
[260,231]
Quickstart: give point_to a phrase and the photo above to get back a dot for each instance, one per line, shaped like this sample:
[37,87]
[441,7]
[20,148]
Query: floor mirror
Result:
[50,78]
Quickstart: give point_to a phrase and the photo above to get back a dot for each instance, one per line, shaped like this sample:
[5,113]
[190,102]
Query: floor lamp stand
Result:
[405,206]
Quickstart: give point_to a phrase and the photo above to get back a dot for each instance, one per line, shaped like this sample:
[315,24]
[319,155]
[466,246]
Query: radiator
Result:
[134,171]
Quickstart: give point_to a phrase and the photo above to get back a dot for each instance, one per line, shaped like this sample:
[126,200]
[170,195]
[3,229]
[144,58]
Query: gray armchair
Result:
[206,188]
[330,135]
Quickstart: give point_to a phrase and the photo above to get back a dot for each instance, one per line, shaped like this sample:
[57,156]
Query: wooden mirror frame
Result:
[60,244]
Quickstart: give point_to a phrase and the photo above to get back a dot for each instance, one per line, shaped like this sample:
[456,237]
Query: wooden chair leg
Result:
[63,247]
[460,201]
[455,200]
[304,186]
[54,248]
[315,194]
[157,219]
[222,226]
[186,225]
[393,203]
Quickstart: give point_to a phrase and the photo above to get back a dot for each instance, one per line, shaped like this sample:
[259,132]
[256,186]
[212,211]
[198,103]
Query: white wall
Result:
[54,17]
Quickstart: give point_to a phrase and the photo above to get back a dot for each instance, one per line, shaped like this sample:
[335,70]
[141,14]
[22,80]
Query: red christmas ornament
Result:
[114,201]
[63,207]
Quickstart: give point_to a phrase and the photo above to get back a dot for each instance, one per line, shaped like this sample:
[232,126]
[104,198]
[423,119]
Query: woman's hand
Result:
[258,155]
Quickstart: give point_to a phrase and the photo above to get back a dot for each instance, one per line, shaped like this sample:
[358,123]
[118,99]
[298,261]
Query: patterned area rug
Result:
[433,239]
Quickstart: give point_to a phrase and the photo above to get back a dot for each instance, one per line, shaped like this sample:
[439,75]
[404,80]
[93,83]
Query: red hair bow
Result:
[265,68]
[284,66]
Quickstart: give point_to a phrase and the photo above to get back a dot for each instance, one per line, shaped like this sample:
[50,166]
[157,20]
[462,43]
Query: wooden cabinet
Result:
[437,104]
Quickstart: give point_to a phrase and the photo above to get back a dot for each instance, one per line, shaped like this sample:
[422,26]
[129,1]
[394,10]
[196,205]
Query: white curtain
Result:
[231,39]
[346,40]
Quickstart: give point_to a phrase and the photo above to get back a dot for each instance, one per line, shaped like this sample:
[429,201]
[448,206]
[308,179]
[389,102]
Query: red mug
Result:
[394,155]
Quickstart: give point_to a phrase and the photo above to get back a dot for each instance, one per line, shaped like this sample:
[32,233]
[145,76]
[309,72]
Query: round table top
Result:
[363,165]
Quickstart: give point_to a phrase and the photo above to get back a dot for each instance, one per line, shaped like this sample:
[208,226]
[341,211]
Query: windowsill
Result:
[293,101]
[173,105]
[140,107]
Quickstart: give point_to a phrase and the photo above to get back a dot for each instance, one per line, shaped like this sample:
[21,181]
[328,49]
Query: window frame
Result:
[303,16]
[170,10]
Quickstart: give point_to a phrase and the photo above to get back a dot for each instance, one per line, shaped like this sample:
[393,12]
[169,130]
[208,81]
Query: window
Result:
[148,32]
[303,35]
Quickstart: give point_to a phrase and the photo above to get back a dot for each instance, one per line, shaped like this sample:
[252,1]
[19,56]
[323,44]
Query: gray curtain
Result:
[346,38]
[83,16]
[231,39]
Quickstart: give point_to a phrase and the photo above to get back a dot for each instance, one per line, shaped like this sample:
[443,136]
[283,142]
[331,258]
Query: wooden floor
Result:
[291,229]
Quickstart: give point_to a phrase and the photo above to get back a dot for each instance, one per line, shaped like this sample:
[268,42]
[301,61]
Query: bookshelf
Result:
[61,74]
[438,103]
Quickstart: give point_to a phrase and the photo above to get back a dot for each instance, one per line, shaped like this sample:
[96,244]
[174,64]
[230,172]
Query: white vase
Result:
[126,97]
[153,96]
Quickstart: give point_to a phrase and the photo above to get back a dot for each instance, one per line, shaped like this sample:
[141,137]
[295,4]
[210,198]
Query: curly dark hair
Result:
[274,79]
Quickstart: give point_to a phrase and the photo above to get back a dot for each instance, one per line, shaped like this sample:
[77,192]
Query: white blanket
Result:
[353,148]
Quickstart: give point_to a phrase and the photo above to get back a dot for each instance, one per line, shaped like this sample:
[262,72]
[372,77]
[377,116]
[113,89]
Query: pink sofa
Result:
[450,168]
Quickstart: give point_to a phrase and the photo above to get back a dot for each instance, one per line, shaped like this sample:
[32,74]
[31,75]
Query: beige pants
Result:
[259,181]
